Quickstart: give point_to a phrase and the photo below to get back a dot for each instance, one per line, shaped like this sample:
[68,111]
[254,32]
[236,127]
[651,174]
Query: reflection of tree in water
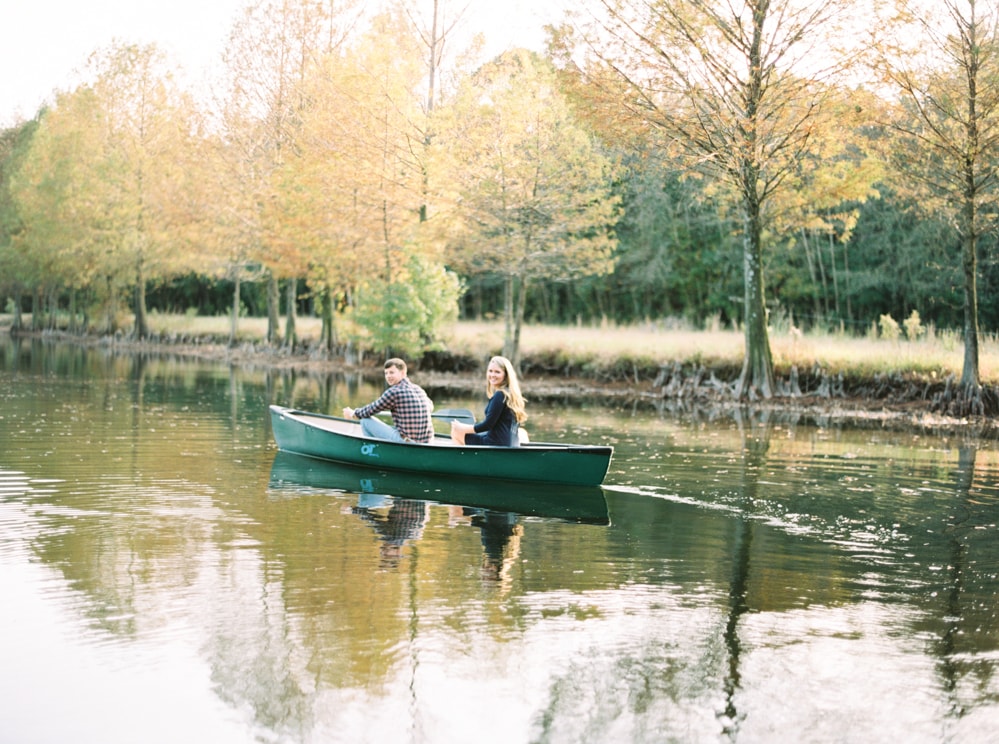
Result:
[403,522]
[755,444]
[948,646]
[967,615]
[501,533]
[314,391]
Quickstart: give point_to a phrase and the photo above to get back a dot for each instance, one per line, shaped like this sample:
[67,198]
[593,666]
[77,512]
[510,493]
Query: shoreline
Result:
[899,404]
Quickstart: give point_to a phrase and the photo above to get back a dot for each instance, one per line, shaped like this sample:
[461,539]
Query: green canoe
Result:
[584,504]
[340,440]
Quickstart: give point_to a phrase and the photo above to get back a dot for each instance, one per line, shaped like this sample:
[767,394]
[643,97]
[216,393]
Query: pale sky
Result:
[46,41]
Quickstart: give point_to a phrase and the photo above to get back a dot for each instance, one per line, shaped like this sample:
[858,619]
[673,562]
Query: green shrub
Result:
[406,315]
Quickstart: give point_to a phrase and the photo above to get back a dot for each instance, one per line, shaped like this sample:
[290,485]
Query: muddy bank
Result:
[896,402]
[901,400]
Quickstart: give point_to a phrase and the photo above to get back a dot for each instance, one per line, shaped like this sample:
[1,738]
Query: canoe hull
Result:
[583,504]
[340,440]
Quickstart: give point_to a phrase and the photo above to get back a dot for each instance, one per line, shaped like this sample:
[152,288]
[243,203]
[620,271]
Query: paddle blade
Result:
[454,414]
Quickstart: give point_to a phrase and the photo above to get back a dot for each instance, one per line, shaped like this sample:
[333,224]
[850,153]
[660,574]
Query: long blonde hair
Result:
[510,389]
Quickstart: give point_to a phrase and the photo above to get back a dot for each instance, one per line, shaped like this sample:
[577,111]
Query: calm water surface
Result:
[167,576]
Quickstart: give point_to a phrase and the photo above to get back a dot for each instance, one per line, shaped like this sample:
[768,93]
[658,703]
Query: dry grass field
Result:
[932,355]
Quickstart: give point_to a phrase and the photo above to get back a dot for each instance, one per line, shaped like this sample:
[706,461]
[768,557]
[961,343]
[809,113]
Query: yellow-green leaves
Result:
[532,188]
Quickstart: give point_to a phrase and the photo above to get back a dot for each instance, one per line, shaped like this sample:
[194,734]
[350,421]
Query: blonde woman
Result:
[504,411]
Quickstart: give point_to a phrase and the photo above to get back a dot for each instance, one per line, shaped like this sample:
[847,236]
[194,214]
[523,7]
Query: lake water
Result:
[167,576]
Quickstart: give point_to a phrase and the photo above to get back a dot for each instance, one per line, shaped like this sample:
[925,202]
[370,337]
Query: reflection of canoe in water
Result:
[574,503]
[341,440]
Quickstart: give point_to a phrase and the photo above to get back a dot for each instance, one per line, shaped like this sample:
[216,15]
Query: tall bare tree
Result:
[942,56]
[734,88]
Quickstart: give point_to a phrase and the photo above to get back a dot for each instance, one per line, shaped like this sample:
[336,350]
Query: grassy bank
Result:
[616,352]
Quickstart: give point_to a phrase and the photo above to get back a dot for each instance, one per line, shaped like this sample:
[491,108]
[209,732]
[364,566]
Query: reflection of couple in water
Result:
[501,533]
[405,520]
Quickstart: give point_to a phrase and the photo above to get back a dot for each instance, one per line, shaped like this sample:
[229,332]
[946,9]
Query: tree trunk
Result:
[514,292]
[234,314]
[434,43]
[141,321]
[758,367]
[846,283]
[975,161]
[52,310]
[273,310]
[819,289]
[73,325]
[112,307]
[37,314]
[835,276]
[508,343]
[512,349]
[290,336]
[970,380]
[18,323]
[519,325]
[329,336]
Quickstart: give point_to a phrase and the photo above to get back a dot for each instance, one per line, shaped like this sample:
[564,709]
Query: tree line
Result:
[822,162]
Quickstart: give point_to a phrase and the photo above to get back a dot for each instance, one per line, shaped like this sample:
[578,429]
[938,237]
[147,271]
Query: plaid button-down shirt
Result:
[410,407]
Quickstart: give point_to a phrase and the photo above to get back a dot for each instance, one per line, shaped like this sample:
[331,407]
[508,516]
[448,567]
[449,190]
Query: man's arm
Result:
[384,403]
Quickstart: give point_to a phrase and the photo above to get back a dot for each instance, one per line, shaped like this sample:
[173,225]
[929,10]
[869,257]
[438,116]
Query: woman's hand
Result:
[459,430]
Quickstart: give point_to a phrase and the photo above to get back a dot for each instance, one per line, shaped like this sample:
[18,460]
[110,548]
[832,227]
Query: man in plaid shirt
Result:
[409,404]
